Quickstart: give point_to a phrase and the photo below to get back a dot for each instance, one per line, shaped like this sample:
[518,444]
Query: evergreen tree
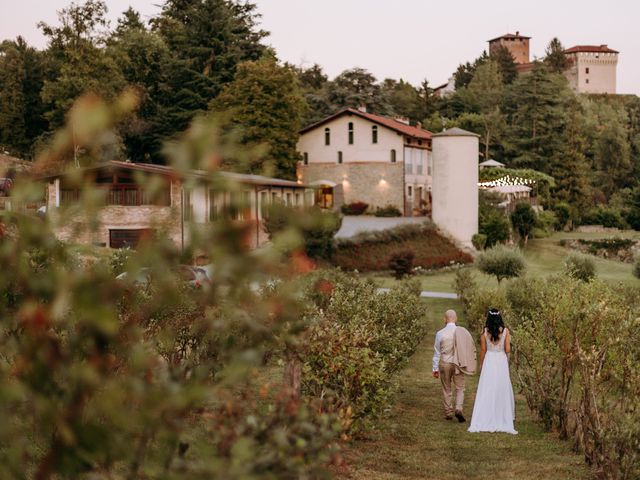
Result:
[464,73]
[354,88]
[403,99]
[506,64]
[265,106]
[22,73]
[313,84]
[207,40]
[569,165]
[555,59]
[534,106]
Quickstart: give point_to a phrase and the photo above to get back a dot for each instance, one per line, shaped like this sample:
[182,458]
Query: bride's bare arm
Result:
[507,344]
[483,348]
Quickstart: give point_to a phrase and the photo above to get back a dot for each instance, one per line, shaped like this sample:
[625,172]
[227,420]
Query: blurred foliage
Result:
[501,262]
[580,266]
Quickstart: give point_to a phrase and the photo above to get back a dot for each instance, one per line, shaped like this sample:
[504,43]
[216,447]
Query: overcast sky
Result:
[409,39]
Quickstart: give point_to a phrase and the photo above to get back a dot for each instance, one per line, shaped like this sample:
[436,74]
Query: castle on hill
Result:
[590,68]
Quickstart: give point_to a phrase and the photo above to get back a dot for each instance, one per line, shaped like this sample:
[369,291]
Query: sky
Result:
[408,39]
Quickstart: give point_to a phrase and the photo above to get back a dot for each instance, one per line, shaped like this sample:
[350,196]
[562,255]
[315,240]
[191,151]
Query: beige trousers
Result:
[450,374]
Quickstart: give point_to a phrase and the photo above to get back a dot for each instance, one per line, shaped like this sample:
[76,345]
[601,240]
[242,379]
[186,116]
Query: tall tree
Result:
[555,59]
[22,74]
[207,40]
[534,105]
[354,88]
[403,99]
[506,64]
[464,73]
[264,104]
[569,164]
[81,62]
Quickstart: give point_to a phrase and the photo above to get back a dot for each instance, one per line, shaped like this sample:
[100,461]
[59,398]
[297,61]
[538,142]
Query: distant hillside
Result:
[370,251]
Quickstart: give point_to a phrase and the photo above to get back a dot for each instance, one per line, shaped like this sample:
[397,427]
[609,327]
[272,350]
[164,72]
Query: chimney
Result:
[362,108]
[517,33]
[404,120]
[419,125]
[604,46]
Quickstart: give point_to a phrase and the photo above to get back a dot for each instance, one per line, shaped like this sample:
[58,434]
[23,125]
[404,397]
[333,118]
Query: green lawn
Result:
[544,257]
[415,442]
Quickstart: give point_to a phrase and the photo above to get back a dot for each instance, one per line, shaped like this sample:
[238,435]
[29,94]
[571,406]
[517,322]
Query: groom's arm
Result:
[436,357]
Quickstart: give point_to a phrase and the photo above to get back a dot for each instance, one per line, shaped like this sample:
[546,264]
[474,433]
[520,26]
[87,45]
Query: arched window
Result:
[305,158]
[339,157]
[393,156]
[327,136]
[374,134]
[350,133]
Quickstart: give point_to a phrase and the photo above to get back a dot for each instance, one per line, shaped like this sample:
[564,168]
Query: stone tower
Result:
[455,183]
[517,44]
[591,68]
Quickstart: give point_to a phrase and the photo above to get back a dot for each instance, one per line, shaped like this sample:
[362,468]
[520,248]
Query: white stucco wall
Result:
[362,150]
[602,72]
[455,185]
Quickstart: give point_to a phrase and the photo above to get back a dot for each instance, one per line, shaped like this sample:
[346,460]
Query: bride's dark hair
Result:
[494,324]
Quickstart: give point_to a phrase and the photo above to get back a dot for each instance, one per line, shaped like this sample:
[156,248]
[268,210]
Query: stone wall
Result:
[378,184]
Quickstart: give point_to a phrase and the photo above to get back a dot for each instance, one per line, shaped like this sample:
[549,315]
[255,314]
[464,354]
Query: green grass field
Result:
[415,441]
[544,257]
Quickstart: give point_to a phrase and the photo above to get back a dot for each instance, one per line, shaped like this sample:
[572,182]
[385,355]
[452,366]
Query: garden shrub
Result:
[388,211]
[118,260]
[465,287]
[564,215]
[523,220]
[371,250]
[479,241]
[354,208]
[546,222]
[360,339]
[606,216]
[495,226]
[401,263]
[501,262]
[580,266]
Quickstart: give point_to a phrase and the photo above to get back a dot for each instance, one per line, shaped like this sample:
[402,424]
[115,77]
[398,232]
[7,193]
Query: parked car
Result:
[196,277]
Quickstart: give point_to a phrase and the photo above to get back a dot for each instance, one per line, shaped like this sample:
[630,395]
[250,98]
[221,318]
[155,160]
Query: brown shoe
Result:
[460,416]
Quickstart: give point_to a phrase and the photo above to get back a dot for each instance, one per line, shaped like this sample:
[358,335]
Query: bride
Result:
[494,408]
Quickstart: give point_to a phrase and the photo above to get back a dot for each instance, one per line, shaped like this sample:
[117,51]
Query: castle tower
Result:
[591,68]
[517,44]
[455,183]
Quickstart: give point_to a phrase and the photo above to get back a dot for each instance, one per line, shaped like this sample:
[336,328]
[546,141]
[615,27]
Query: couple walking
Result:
[455,357]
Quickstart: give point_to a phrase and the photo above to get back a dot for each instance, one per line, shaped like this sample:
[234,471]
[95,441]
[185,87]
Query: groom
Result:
[454,353]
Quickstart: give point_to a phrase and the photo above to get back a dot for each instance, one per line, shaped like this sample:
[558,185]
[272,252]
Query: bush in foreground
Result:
[501,262]
[388,211]
[580,266]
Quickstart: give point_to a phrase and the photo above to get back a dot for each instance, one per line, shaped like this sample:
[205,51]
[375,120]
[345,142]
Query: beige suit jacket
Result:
[464,351]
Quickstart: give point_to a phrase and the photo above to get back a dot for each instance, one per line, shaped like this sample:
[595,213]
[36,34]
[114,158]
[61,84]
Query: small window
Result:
[393,156]
[339,157]
[213,206]
[408,141]
[586,70]
[409,190]
[374,134]
[350,133]
[305,158]
[327,136]
[587,80]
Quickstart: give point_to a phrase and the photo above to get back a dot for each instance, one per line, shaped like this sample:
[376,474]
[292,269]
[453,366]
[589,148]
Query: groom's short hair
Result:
[450,315]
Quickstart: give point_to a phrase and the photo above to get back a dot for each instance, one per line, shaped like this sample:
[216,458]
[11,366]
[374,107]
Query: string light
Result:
[507,181]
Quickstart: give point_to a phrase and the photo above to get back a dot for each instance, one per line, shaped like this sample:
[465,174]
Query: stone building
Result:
[355,156]
[130,212]
[518,46]
[591,68]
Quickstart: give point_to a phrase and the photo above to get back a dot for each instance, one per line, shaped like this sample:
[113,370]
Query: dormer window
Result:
[327,136]
[350,133]
[374,134]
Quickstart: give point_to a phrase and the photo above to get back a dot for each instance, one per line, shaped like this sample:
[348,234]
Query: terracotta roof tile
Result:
[590,48]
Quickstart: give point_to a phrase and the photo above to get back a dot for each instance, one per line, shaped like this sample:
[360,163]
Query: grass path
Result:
[415,442]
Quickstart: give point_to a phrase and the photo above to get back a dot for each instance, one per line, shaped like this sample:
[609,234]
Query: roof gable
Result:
[590,49]
[395,125]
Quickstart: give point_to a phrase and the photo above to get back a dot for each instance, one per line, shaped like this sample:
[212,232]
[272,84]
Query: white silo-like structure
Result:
[455,183]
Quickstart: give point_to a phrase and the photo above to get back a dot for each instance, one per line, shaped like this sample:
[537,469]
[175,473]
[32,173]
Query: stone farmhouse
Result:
[355,156]
[358,156]
[130,213]
[590,68]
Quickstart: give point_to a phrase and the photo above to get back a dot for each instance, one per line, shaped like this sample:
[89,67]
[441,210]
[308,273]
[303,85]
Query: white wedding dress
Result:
[494,408]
